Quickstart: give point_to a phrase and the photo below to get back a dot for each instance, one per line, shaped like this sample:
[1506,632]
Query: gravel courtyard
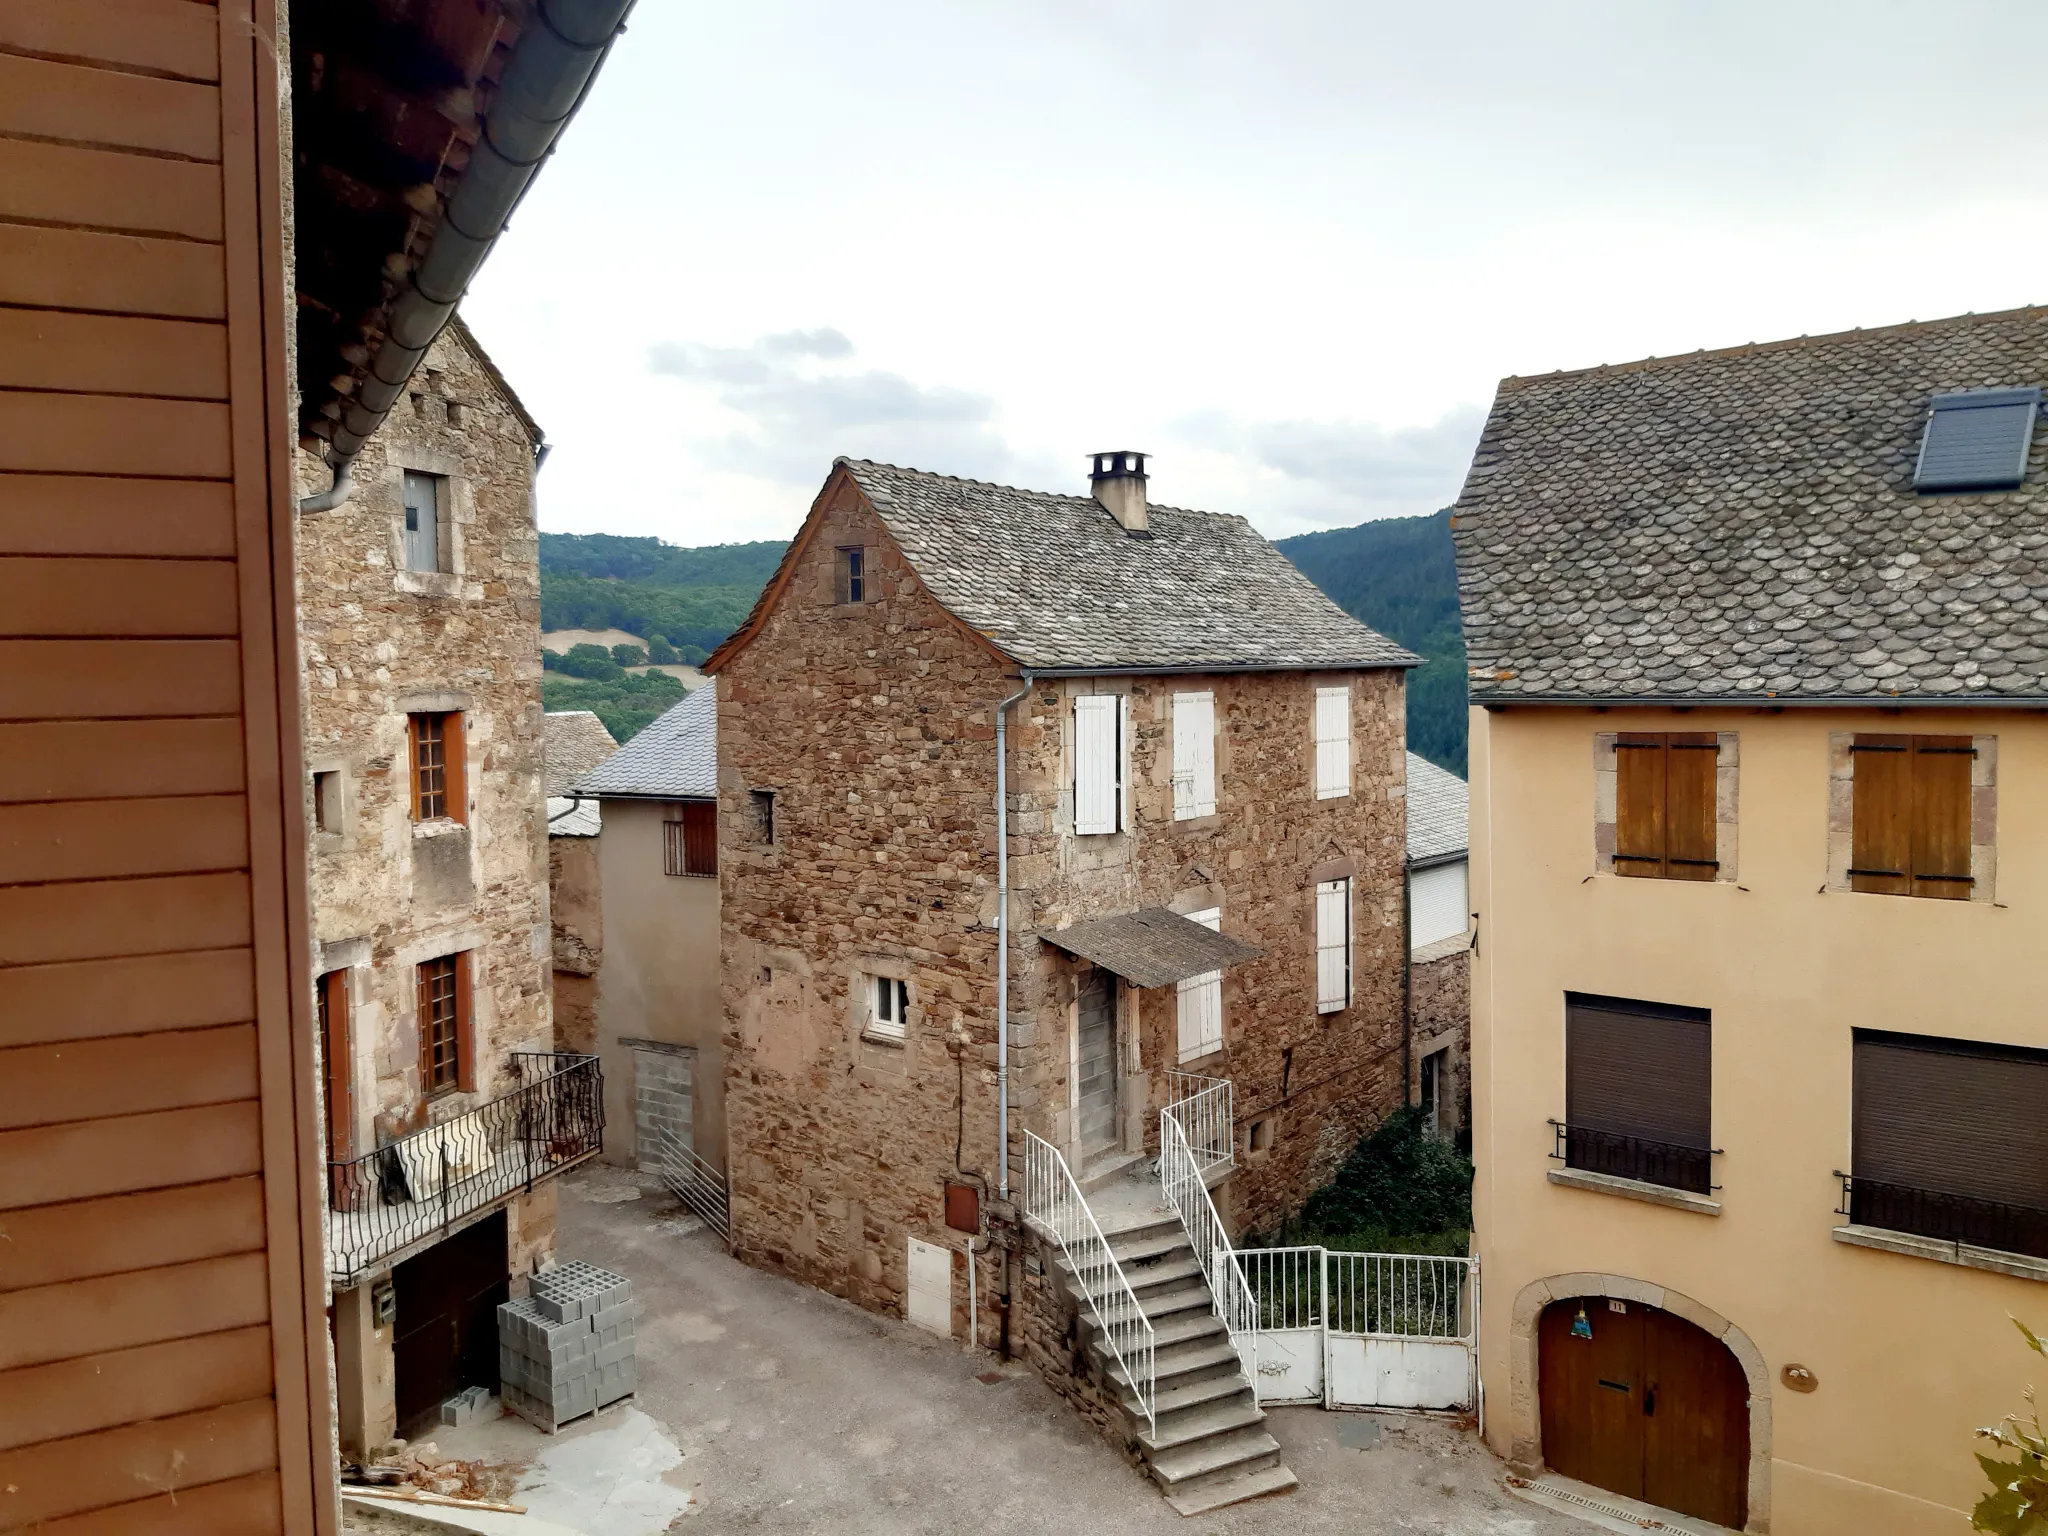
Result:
[793,1411]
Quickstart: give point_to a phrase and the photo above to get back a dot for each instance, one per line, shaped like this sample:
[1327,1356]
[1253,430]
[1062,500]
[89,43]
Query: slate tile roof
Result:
[1153,946]
[675,757]
[1058,585]
[1743,523]
[576,742]
[1438,810]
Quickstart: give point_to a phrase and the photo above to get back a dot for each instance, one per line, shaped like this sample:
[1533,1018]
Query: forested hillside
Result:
[1395,574]
[1398,575]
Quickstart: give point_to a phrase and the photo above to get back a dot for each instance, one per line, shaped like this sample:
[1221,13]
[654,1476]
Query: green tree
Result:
[2017,1504]
[630,655]
[660,652]
[592,662]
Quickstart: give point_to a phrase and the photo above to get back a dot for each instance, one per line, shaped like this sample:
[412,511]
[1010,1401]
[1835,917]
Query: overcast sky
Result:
[1287,247]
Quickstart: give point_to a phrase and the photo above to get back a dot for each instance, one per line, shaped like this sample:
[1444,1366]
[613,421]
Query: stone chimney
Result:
[1119,484]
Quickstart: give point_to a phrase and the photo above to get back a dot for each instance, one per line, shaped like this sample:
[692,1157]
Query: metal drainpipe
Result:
[1407,982]
[550,71]
[1003,935]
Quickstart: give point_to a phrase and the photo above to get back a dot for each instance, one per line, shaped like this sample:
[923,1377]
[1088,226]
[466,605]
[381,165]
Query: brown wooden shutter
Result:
[700,837]
[1639,1069]
[456,773]
[1951,1116]
[1691,759]
[1941,817]
[423,1008]
[338,1077]
[1639,779]
[1881,851]
[465,1024]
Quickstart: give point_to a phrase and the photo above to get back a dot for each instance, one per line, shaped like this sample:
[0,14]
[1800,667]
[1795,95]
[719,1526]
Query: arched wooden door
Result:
[1640,1402]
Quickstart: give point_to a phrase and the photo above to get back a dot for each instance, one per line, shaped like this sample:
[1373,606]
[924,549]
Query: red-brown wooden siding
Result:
[161,1359]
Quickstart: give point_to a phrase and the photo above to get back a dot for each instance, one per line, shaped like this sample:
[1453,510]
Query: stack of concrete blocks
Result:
[567,1349]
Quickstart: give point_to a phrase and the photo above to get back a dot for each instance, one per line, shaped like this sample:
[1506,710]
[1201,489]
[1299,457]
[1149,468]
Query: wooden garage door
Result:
[447,1332]
[1644,1404]
[160,1283]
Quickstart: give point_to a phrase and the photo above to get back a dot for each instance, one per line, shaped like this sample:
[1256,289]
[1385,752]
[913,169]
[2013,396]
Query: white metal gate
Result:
[1364,1330]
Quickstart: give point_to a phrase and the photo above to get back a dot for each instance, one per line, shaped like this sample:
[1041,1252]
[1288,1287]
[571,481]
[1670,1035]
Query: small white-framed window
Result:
[1333,946]
[1098,764]
[426,498]
[1201,1001]
[1333,742]
[888,1007]
[1194,755]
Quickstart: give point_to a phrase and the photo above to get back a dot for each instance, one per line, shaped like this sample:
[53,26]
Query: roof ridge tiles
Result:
[1022,490]
[1749,348]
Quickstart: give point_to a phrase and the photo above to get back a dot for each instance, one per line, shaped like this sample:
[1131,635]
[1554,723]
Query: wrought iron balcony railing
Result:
[420,1185]
[1635,1157]
[1947,1217]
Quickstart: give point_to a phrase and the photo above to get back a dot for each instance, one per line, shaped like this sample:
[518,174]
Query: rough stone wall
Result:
[1442,1011]
[1325,1078]
[874,727]
[378,641]
[1051,1332]
[576,916]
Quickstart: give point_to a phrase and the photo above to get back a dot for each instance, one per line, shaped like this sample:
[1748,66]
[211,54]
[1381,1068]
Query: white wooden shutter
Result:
[1201,1001]
[1333,946]
[1194,755]
[1333,742]
[1098,763]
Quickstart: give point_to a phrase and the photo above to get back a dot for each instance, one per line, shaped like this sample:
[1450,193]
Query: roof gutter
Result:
[544,82]
[1760,701]
[1191,668]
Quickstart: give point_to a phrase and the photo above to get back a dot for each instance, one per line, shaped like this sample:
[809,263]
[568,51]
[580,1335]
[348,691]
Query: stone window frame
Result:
[335,840]
[842,600]
[1727,808]
[456,514]
[860,998]
[1983,812]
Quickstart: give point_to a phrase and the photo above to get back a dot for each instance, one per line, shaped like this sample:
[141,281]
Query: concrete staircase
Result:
[1209,1446]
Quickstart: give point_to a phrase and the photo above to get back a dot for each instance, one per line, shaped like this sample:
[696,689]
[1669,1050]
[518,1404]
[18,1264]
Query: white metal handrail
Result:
[1054,1201]
[695,1182]
[1203,1107]
[1180,1178]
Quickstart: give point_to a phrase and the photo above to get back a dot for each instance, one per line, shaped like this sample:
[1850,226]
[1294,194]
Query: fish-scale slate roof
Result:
[576,742]
[1056,584]
[1438,810]
[1743,523]
[675,756]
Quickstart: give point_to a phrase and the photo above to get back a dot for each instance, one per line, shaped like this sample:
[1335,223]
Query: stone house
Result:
[1440,945]
[1759,658]
[419,618]
[1188,767]
[656,1020]
[577,742]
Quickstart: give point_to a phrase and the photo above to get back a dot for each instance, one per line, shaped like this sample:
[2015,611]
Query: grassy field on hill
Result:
[1395,574]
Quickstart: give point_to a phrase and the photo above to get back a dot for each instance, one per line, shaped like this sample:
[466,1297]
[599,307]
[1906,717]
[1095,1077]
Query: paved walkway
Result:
[794,1411]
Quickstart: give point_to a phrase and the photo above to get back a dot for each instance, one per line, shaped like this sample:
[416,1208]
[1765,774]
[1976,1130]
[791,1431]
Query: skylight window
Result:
[1977,440]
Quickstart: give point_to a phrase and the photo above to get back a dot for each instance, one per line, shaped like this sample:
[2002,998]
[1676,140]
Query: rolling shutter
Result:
[1333,946]
[1194,755]
[1098,763]
[1952,1116]
[1333,742]
[1201,1001]
[1639,1069]
[1977,438]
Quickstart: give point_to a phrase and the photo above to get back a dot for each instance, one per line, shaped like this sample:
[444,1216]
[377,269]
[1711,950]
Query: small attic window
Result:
[1977,440]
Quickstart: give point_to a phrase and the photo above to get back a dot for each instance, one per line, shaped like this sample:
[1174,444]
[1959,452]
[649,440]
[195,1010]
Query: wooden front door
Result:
[1644,1404]
[447,1330]
[1097,1024]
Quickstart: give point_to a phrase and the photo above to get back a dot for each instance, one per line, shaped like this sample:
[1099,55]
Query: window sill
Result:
[872,1037]
[2023,1265]
[1635,1189]
[428,583]
[440,826]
